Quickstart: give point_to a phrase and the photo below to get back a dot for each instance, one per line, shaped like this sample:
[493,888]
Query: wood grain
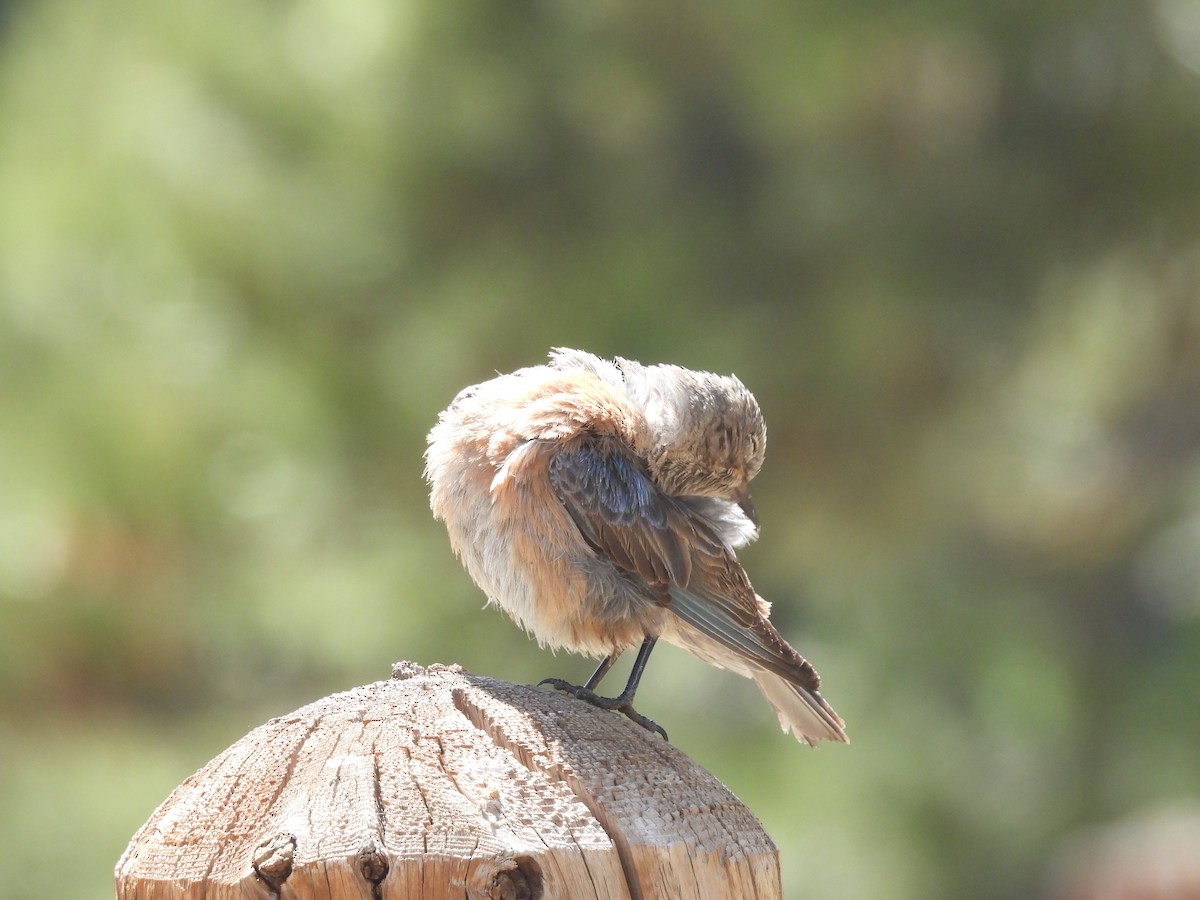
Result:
[438,784]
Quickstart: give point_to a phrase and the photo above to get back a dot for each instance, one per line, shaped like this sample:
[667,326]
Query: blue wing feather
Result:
[672,547]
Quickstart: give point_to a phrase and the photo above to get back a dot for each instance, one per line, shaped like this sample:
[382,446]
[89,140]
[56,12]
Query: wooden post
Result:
[439,784]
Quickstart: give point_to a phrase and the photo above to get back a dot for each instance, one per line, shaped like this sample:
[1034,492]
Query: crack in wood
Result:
[496,732]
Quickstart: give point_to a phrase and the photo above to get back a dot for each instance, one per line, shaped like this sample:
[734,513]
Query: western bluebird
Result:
[600,503]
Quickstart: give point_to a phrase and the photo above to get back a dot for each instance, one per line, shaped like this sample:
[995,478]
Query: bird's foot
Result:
[621,704]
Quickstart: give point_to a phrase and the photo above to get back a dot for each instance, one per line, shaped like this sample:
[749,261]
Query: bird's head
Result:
[708,437]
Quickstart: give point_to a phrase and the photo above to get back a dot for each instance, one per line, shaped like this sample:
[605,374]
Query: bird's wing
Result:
[642,530]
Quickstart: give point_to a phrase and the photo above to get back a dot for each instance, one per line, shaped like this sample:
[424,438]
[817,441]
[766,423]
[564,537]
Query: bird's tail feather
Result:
[752,647]
[801,711]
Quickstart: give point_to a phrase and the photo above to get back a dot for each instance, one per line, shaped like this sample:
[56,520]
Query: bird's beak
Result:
[742,498]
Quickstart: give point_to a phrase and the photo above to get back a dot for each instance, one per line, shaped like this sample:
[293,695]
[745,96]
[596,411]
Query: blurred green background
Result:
[248,250]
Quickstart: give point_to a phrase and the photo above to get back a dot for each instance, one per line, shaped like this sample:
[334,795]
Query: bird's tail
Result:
[753,648]
[801,711]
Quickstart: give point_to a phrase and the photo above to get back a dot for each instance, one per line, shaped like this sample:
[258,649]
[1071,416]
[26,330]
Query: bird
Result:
[600,503]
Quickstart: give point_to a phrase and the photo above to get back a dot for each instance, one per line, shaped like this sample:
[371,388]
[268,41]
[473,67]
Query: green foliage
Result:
[248,250]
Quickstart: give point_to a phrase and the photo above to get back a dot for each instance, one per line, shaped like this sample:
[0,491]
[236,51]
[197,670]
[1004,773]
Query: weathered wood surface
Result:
[439,784]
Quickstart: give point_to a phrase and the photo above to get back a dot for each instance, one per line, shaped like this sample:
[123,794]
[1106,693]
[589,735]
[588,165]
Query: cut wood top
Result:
[438,784]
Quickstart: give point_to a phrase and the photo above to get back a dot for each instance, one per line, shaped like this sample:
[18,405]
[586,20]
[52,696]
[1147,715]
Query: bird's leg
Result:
[561,684]
[601,671]
[623,703]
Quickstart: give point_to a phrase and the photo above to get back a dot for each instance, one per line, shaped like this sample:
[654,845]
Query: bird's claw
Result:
[620,704]
[649,724]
